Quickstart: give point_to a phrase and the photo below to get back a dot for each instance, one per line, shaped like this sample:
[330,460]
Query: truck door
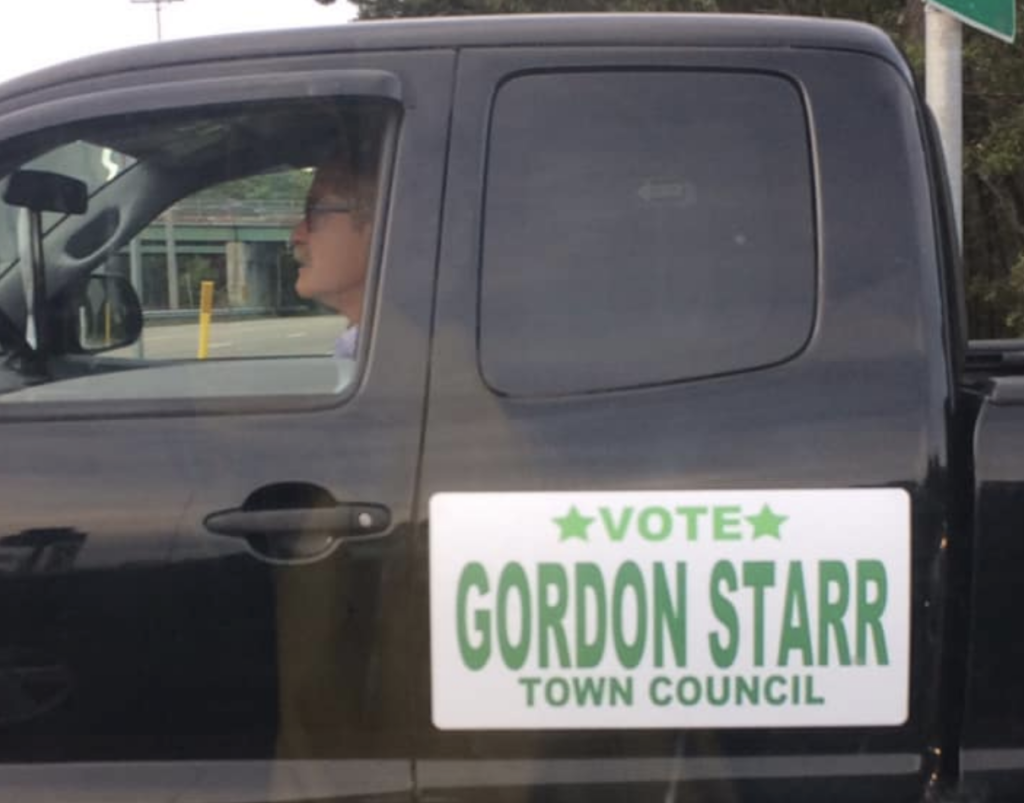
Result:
[203,562]
[680,463]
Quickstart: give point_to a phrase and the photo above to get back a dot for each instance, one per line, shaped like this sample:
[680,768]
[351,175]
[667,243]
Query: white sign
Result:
[714,609]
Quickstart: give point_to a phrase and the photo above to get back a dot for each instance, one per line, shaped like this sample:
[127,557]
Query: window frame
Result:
[192,95]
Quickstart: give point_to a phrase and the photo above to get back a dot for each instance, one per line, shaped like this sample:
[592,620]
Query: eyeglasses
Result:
[316,210]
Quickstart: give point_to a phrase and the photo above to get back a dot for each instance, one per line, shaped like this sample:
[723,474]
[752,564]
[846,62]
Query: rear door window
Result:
[642,228]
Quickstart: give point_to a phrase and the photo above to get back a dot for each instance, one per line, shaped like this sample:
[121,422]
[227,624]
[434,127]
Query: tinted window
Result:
[644,227]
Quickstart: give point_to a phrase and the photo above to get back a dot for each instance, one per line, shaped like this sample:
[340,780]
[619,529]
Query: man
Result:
[332,241]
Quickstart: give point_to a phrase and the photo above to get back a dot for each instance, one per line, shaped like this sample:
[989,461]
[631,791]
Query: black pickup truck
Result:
[662,469]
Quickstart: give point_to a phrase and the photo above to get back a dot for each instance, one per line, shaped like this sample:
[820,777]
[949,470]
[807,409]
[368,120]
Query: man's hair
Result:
[353,166]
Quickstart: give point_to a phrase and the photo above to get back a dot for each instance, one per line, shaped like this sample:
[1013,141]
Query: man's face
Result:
[332,247]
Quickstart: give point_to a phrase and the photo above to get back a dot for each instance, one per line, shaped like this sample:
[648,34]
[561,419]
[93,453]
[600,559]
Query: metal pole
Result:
[158,6]
[172,257]
[135,266]
[172,260]
[944,93]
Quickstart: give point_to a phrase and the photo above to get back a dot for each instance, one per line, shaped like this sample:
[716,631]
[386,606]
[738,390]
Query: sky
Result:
[45,32]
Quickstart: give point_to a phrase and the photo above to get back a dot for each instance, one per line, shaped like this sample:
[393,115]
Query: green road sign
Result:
[997,17]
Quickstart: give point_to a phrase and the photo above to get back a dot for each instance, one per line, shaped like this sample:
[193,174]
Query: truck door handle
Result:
[297,535]
[344,520]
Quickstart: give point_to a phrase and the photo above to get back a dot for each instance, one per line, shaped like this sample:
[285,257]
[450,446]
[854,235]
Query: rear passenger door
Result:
[203,564]
[681,503]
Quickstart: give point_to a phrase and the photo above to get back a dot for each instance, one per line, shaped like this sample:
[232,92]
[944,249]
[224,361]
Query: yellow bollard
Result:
[205,314]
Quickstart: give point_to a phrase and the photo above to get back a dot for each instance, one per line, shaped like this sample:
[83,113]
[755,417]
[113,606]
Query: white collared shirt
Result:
[345,345]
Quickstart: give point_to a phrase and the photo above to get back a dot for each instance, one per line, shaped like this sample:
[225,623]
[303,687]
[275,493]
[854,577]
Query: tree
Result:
[282,185]
[994,183]
[993,122]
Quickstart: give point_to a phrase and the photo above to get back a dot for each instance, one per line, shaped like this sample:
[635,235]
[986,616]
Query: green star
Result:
[573,524]
[766,523]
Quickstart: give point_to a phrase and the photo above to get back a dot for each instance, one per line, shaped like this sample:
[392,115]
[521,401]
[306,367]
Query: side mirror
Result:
[105,314]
